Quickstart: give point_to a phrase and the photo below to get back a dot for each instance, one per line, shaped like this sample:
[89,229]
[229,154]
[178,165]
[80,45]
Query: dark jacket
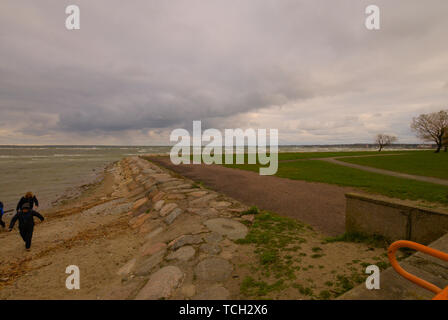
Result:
[26,220]
[1,214]
[32,201]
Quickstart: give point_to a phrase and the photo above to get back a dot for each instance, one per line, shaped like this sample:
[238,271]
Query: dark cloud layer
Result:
[136,70]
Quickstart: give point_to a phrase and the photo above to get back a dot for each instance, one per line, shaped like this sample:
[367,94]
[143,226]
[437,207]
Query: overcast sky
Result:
[137,69]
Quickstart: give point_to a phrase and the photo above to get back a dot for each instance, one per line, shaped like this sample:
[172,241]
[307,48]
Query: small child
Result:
[28,198]
[26,223]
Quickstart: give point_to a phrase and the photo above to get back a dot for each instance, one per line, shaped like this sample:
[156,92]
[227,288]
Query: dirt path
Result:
[385,172]
[319,205]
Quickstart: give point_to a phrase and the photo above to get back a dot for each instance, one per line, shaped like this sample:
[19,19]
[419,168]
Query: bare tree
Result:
[383,140]
[431,127]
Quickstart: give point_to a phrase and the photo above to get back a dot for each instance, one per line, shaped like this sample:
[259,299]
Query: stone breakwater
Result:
[188,231]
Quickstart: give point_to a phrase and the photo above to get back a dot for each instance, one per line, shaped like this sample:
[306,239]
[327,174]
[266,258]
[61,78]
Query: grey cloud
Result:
[155,65]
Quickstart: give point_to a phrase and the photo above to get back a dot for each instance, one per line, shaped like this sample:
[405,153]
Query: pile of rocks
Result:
[188,234]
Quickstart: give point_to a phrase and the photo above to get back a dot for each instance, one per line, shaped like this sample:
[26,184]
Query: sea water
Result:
[51,172]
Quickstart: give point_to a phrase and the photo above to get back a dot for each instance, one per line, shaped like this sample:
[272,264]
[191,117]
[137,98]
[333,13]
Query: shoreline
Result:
[77,191]
[146,233]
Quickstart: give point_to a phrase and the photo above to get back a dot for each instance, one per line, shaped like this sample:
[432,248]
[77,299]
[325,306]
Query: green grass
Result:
[321,171]
[252,210]
[279,266]
[272,235]
[324,295]
[252,287]
[314,155]
[423,163]
[303,290]
[309,155]
[375,240]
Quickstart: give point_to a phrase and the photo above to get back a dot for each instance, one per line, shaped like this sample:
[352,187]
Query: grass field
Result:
[320,171]
[423,163]
[313,155]
[287,156]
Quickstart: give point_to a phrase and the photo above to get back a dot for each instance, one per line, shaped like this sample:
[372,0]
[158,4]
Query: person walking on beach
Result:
[1,215]
[26,223]
[28,198]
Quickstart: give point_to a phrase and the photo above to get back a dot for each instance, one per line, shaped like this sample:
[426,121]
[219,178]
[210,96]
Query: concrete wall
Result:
[394,220]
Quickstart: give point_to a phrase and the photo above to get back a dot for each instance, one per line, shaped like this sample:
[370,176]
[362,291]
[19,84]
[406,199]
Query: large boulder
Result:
[213,269]
[183,254]
[234,230]
[161,284]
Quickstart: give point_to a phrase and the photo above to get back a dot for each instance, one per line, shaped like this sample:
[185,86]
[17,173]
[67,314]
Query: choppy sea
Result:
[51,172]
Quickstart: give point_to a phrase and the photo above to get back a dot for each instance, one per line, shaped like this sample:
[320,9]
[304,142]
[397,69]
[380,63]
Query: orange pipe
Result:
[440,294]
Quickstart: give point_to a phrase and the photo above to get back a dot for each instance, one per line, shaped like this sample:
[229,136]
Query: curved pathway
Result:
[335,160]
[385,172]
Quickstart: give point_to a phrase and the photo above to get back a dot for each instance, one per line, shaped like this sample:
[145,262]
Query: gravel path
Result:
[319,205]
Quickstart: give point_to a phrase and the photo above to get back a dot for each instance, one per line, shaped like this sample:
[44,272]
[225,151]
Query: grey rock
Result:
[167,209]
[154,233]
[186,239]
[159,204]
[203,201]
[178,187]
[205,212]
[198,194]
[210,248]
[173,215]
[213,237]
[161,284]
[232,229]
[127,268]
[213,269]
[147,265]
[183,254]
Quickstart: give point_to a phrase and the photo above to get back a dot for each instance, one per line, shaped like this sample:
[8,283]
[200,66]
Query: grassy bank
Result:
[288,156]
[320,171]
[423,163]
[314,155]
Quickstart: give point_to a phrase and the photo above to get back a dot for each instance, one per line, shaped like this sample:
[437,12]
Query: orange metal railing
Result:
[441,294]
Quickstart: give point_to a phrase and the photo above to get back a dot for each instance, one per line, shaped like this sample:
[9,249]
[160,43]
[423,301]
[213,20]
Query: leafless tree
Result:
[383,140]
[431,127]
